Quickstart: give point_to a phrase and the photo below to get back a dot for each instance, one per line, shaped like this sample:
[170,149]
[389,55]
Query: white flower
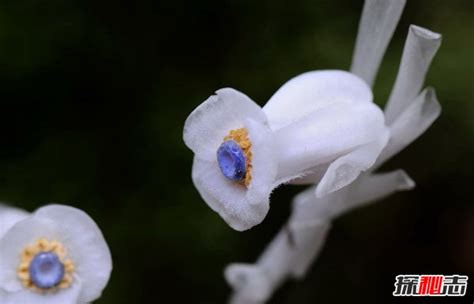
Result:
[408,114]
[321,123]
[55,255]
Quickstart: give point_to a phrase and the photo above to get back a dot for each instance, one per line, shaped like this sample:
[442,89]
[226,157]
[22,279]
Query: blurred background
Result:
[94,95]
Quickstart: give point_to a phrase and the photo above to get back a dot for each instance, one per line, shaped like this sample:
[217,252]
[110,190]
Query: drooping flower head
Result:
[408,112]
[321,124]
[55,255]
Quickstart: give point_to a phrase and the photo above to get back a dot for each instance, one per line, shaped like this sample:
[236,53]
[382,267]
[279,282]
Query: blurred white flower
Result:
[322,124]
[55,255]
[408,114]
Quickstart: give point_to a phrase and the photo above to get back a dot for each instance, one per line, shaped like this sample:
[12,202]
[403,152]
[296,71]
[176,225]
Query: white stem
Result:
[413,122]
[298,243]
[420,47]
[377,24]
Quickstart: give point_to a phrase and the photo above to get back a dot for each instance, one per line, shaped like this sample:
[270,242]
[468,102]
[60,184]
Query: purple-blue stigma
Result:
[231,159]
[46,270]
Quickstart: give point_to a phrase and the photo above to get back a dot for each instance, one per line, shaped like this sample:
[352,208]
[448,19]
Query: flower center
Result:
[46,270]
[231,160]
[234,156]
[44,266]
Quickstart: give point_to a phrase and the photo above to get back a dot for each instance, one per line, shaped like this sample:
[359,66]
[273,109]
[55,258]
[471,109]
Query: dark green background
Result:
[94,95]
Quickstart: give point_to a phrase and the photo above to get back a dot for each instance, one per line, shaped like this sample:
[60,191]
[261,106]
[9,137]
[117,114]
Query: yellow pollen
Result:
[29,253]
[241,137]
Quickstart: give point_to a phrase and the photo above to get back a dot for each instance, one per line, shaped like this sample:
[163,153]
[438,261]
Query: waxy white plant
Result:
[321,125]
[56,255]
[408,114]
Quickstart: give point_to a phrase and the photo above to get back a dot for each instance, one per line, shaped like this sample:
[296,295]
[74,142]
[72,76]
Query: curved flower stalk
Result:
[55,255]
[321,123]
[408,114]
[298,243]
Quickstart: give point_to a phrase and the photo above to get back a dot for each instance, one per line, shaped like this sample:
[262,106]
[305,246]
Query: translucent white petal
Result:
[413,122]
[238,298]
[325,135]
[420,48]
[378,22]
[373,187]
[365,189]
[307,206]
[310,220]
[9,216]
[211,121]
[86,247]
[272,267]
[309,238]
[311,176]
[241,207]
[227,198]
[289,254]
[249,283]
[264,161]
[24,296]
[312,91]
[347,168]
[276,259]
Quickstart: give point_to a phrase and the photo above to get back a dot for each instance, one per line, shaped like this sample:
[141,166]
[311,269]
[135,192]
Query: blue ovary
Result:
[231,159]
[46,270]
